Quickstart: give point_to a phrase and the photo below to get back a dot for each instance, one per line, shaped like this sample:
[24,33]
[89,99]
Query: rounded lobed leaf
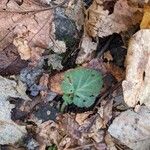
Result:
[81,86]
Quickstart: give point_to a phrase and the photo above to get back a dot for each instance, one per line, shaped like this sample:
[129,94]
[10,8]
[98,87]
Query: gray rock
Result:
[65,28]
[132,128]
[10,132]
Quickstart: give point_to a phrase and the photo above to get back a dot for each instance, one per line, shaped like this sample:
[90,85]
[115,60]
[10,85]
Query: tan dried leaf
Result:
[145,24]
[44,84]
[23,48]
[55,82]
[86,50]
[116,71]
[48,133]
[76,13]
[136,87]
[100,23]
[105,111]
[80,118]
[33,28]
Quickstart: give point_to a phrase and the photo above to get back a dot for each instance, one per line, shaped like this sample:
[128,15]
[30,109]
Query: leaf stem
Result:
[63,107]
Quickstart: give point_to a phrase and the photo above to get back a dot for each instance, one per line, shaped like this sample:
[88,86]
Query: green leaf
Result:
[81,86]
[53,147]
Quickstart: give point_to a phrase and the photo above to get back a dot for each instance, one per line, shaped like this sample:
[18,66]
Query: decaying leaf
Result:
[23,48]
[55,82]
[136,87]
[105,111]
[80,118]
[44,85]
[29,30]
[116,71]
[55,61]
[145,24]
[75,12]
[87,49]
[132,128]
[48,133]
[10,61]
[100,23]
[58,46]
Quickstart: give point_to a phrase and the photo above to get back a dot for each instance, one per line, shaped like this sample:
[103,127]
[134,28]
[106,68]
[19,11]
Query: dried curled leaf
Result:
[23,48]
[86,50]
[145,24]
[100,23]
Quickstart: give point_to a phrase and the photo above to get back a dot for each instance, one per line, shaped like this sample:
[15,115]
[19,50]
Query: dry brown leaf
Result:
[44,85]
[10,61]
[97,64]
[116,71]
[70,126]
[23,48]
[108,56]
[136,87]
[31,30]
[76,13]
[105,111]
[55,82]
[83,129]
[80,118]
[86,49]
[48,133]
[110,142]
[100,23]
[145,24]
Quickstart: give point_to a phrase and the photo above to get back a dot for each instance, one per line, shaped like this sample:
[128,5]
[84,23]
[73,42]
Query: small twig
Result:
[36,10]
[105,47]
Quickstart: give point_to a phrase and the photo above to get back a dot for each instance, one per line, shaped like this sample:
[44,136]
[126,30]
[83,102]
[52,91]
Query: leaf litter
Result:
[37,37]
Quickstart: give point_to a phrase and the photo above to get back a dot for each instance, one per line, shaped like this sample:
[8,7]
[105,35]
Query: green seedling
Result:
[81,86]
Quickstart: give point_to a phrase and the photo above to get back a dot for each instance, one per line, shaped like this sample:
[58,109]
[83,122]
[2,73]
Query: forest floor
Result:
[91,55]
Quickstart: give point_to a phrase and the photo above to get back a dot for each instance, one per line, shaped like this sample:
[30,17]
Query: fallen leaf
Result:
[55,60]
[28,31]
[23,48]
[136,86]
[132,128]
[44,85]
[106,68]
[10,61]
[116,71]
[108,56]
[48,133]
[100,23]
[76,13]
[86,49]
[70,126]
[55,82]
[80,118]
[110,142]
[145,24]
[105,111]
